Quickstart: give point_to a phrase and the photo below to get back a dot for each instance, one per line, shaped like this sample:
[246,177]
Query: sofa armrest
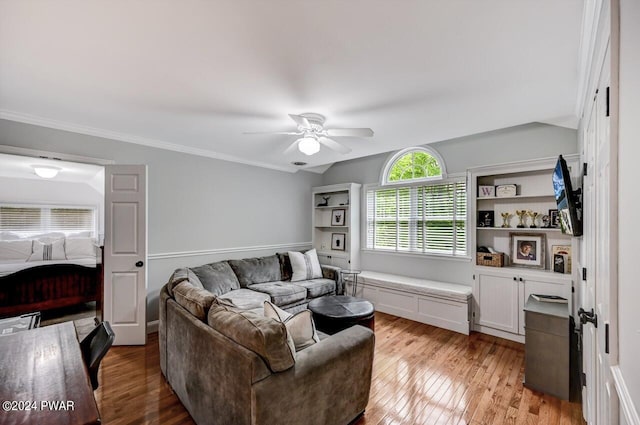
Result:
[332,379]
[333,272]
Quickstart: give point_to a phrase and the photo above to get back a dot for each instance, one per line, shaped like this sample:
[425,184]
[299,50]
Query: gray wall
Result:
[629,199]
[512,144]
[195,203]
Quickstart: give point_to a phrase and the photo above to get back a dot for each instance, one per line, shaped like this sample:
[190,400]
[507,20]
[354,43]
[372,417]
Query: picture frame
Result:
[528,249]
[565,251]
[486,218]
[554,219]
[338,241]
[338,216]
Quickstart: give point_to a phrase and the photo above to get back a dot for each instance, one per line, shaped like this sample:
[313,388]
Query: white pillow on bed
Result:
[76,248]
[14,251]
[9,236]
[48,251]
[48,238]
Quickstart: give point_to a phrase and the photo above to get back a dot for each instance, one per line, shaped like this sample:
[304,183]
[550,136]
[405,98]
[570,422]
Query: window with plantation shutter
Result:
[27,221]
[430,219]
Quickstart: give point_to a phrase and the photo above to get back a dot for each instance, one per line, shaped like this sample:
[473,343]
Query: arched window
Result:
[413,164]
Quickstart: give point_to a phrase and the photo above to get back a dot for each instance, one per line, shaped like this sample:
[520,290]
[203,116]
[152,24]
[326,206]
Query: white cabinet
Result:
[336,224]
[500,292]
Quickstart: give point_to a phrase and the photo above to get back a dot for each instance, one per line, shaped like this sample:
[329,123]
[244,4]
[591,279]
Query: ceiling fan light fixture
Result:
[308,145]
[45,171]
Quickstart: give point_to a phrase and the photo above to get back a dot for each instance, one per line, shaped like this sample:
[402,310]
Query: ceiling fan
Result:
[313,134]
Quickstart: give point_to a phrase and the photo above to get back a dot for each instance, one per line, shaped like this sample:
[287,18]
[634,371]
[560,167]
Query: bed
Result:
[28,286]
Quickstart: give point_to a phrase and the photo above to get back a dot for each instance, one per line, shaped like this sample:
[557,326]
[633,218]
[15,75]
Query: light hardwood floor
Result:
[421,375]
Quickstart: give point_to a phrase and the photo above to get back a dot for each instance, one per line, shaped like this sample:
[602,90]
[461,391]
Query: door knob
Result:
[139,264]
[588,316]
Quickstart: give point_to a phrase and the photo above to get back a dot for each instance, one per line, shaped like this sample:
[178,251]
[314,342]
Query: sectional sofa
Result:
[229,364]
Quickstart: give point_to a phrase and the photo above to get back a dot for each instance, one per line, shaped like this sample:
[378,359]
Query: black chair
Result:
[94,347]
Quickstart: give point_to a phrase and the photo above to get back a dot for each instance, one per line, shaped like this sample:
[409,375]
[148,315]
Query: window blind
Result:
[28,221]
[425,219]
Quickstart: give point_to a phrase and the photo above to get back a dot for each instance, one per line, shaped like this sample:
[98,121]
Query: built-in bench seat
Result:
[443,304]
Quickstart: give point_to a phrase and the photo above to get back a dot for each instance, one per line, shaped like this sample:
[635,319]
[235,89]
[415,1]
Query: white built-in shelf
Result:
[333,207]
[498,198]
[523,229]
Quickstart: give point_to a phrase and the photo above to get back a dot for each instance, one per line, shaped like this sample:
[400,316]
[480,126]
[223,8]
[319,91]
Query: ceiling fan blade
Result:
[300,121]
[350,132]
[332,144]
[291,147]
[288,133]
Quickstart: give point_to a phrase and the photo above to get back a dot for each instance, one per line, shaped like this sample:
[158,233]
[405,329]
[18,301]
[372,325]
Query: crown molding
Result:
[122,137]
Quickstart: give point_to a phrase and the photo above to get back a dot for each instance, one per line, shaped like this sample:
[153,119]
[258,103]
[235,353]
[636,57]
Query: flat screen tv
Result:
[568,200]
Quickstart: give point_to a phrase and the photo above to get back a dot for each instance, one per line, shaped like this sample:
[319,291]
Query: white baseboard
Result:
[152,326]
[627,407]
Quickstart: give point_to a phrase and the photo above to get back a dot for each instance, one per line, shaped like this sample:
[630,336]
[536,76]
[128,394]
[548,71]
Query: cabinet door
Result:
[497,302]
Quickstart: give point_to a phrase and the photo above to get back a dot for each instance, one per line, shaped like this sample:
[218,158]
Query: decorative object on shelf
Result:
[565,252]
[505,190]
[337,241]
[325,203]
[337,217]
[505,219]
[521,215]
[485,218]
[527,249]
[495,259]
[486,191]
[534,215]
[546,221]
[554,219]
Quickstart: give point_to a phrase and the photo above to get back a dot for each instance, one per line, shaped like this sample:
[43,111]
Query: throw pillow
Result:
[15,251]
[300,326]
[76,248]
[48,251]
[305,266]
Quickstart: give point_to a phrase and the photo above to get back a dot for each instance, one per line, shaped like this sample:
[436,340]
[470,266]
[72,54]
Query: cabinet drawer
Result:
[546,323]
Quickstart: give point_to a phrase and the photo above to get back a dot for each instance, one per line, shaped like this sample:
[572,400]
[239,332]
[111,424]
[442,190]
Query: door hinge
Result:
[584,273]
[606,338]
[583,379]
[607,100]
[585,167]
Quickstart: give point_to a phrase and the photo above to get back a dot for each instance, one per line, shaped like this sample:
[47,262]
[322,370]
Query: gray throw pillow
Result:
[217,278]
[256,270]
[301,330]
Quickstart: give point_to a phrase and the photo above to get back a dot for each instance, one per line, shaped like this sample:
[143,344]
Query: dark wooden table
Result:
[335,313]
[43,379]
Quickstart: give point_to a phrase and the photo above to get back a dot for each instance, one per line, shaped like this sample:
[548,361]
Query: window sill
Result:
[429,256]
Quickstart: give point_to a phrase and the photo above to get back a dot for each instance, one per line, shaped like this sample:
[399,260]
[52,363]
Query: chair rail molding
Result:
[213,251]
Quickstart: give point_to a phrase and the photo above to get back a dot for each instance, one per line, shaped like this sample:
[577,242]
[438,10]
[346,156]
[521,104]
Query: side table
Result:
[352,277]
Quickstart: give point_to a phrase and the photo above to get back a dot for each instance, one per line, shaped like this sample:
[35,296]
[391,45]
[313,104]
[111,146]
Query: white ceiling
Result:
[194,75]
[21,167]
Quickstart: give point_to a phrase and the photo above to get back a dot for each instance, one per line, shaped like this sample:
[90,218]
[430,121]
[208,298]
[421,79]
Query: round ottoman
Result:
[335,313]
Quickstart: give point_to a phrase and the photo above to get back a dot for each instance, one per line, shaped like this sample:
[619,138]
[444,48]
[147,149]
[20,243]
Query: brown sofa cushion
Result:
[196,300]
[262,335]
[180,275]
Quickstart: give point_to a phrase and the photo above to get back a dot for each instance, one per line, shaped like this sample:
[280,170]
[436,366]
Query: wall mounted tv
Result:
[568,200]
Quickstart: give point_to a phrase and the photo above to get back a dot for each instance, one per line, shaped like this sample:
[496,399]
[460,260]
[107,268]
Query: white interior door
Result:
[125,252]
[601,239]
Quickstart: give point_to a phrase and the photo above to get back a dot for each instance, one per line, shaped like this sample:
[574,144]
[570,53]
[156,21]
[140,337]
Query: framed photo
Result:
[337,217]
[486,218]
[338,241]
[527,249]
[554,218]
[565,252]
